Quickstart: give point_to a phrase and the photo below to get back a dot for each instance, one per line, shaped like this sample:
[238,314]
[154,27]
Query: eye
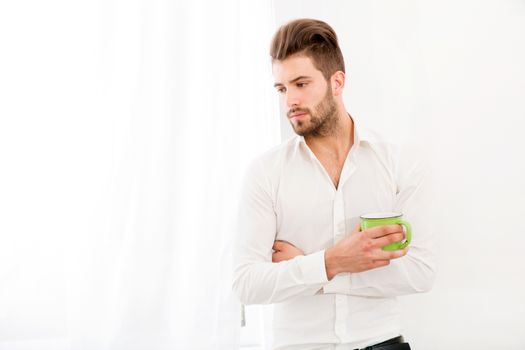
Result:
[301,84]
[281,90]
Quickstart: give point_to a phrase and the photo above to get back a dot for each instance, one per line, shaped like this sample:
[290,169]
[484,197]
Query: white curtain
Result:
[125,129]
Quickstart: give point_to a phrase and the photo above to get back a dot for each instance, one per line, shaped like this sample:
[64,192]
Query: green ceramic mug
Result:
[379,219]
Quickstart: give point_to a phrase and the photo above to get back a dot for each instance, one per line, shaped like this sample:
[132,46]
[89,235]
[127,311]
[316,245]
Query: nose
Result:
[292,99]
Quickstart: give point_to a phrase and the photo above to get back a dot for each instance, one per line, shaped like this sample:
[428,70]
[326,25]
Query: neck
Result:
[339,142]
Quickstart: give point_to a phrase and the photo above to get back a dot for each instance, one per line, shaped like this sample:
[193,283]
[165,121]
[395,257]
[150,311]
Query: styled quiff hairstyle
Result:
[312,38]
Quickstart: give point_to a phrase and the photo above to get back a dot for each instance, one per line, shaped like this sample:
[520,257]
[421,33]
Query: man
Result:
[299,244]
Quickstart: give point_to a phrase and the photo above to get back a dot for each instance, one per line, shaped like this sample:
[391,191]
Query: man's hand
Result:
[361,250]
[284,251]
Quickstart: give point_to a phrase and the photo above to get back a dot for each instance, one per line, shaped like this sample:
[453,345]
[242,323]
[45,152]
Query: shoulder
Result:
[379,141]
[273,158]
[403,154]
[266,167]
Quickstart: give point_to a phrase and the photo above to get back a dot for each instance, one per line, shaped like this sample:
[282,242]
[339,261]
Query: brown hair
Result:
[313,38]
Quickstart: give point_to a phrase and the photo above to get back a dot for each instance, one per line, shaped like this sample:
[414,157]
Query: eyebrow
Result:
[293,80]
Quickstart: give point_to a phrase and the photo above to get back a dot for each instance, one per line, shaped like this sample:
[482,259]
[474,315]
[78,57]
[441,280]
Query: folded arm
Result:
[257,280]
[405,274]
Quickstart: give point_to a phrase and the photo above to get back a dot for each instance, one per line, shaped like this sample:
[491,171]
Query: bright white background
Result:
[125,127]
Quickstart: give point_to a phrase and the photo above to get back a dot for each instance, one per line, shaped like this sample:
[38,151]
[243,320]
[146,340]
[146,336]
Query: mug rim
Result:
[381,215]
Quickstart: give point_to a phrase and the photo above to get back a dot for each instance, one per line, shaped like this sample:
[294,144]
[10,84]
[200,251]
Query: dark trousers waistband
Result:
[397,343]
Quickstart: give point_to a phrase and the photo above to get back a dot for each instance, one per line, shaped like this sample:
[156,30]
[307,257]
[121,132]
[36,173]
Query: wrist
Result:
[330,263]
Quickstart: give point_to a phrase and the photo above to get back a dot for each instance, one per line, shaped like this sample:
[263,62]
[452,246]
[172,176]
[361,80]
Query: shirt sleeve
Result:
[415,272]
[256,280]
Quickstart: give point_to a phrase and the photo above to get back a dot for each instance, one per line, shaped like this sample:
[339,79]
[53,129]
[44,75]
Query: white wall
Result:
[451,72]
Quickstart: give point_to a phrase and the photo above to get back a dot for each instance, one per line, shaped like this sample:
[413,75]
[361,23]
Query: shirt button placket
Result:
[341,301]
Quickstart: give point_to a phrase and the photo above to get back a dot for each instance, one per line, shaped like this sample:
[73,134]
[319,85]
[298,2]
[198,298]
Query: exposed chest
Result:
[333,167]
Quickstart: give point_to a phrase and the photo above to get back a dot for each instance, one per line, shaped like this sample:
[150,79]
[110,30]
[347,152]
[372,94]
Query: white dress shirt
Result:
[288,195]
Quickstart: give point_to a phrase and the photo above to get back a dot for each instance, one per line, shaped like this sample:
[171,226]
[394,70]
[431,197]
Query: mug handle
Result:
[408,233]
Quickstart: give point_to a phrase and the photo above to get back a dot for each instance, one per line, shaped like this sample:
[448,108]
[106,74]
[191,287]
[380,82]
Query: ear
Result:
[338,83]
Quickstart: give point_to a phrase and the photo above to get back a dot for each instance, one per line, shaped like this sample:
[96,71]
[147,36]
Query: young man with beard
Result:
[299,243]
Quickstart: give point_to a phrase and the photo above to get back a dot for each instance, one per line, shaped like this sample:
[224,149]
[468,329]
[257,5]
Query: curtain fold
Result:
[175,100]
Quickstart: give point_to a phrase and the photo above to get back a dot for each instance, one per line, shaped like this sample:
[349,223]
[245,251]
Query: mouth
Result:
[296,116]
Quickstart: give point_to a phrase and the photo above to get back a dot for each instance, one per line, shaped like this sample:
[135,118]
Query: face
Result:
[306,96]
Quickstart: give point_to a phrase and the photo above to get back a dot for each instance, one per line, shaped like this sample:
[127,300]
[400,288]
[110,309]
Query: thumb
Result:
[277,245]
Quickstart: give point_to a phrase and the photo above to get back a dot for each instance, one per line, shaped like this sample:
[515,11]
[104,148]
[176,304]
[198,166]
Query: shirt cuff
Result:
[340,284]
[313,268]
